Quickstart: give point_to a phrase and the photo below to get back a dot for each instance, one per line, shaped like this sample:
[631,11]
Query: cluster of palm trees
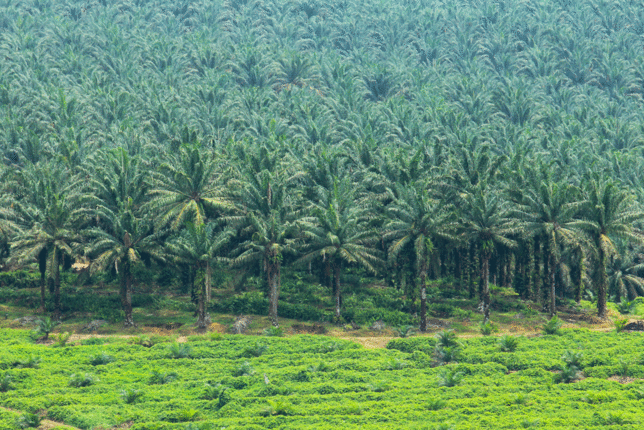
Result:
[267,207]
[428,138]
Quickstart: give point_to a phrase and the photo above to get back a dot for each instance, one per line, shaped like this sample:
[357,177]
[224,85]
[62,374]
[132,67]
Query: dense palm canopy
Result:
[122,122]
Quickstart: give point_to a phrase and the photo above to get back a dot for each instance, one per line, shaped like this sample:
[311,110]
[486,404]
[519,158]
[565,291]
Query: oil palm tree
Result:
[418,220]
[186,188]
[609,213]
[336,233]
[547,211]
[200,246]
[485,220]
[47,209]
[124,241]
[265,214]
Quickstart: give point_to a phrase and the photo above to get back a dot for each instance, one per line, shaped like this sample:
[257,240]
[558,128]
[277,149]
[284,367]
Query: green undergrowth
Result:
[579,379]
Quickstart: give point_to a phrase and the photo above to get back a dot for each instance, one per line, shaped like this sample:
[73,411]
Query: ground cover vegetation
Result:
[575,379]
[181,144]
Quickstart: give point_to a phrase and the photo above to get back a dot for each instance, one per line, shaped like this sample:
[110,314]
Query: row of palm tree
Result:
[256,205]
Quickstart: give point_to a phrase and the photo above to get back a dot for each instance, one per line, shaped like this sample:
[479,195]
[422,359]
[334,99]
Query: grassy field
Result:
[216,381]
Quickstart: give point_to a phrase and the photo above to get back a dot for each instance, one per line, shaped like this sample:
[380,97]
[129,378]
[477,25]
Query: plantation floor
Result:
[322,382]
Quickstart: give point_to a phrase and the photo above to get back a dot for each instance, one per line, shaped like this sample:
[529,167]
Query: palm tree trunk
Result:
[551,276]
[273,277]
[126,296]
[338,291]
[485,275]
[603,281]
[423,301]
[42,267]
[57,308]
[203,298]
[579,273]
[474,270]
[536,277]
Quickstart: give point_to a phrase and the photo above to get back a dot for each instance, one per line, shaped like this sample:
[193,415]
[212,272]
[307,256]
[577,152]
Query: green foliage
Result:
[405,331]
[625,307]
[553,326]
[179,350]
[100,359]
[78,380]
[573,358]
[446,339]
[158,377]
[244,369]
[488,328]
[131,396]
[27,420]
[508,343]
[45,326]
[5,382]
[569,373]
[31,362]
[92,341]
[487,388]
[449,378]
[60,340]
[277,407]
[435,404]
[255,350]
[274,331]
[620,324]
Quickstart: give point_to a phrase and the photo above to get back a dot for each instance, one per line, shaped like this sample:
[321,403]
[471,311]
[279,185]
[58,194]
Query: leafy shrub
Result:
[553,326]
[620,324]
[508,343]
[569,373]
[217,392]
[45,326]
[379,387]
[488,328]
[277,407]
[85,380]
[159,378]
[322,366]
[395,364]
[185,415]
[30,362]
[131,396]
[405,331]
[623,368]
[245,369]
[449,378]
[435,404]
[5,382]
[179,350]
[424,344]
[446,338]
[142,340]
[61,339]
[93,341]
[27,420]
[255,350]
[573,358]
[215,337]
[301,376]
[626,308]
[446,354]
[274,331]
[19,279]
[100,359]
